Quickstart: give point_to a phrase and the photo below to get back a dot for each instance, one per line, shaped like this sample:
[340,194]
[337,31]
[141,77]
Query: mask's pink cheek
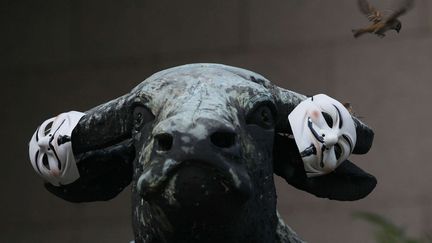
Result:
[55,172]
[315,114]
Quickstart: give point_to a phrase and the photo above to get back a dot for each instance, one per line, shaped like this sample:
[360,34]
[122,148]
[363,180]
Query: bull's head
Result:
[200,144]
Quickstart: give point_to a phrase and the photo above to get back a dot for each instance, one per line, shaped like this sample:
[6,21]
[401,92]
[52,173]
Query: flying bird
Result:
[381,24]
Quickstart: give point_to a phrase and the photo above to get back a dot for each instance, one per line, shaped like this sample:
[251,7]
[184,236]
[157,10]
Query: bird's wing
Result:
[404,6]
[371,13]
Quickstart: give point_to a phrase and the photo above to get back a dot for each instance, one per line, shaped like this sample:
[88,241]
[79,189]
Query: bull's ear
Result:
[365,137]
[104,153]
[104,173]
[347,183]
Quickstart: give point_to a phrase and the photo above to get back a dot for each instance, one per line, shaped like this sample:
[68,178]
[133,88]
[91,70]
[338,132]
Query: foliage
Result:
[388,232]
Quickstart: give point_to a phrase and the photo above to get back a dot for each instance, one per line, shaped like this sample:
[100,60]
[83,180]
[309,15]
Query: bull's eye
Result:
[141,116]
[261,116]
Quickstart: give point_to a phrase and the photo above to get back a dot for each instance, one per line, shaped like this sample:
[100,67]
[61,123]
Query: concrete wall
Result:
[72,55]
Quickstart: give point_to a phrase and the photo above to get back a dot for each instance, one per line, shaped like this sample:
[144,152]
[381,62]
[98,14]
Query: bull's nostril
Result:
[223,139]
[164,141]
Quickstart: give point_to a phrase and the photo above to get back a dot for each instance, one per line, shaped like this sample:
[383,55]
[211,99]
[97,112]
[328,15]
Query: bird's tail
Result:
[358,32]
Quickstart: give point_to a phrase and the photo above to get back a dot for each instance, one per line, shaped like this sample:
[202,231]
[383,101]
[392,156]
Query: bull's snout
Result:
[197,163]
[208,140]
[222,138]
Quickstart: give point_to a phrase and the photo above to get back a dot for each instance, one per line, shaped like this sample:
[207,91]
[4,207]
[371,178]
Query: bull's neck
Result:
[247,225]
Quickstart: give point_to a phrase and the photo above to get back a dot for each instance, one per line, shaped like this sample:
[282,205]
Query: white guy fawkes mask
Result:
[324,132]
[50,149]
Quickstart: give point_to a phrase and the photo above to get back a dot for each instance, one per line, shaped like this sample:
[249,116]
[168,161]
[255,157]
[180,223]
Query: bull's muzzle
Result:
[195,167]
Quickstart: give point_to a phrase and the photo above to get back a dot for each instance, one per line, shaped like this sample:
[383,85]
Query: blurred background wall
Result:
[72,55]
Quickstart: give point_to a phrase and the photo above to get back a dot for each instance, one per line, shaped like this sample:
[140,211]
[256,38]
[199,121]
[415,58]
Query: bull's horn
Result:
[104,125]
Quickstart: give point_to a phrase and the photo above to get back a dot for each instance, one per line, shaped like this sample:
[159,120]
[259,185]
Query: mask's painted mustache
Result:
[311,150]
[323,148]
[154,176]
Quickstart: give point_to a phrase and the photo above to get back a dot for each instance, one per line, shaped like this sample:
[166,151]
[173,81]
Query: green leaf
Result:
[386,231]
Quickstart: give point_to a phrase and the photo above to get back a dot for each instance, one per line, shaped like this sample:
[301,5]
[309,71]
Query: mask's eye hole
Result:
[45,161]
[48,128]
[328,118]
[141,116]
[338,151]
[261,116]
